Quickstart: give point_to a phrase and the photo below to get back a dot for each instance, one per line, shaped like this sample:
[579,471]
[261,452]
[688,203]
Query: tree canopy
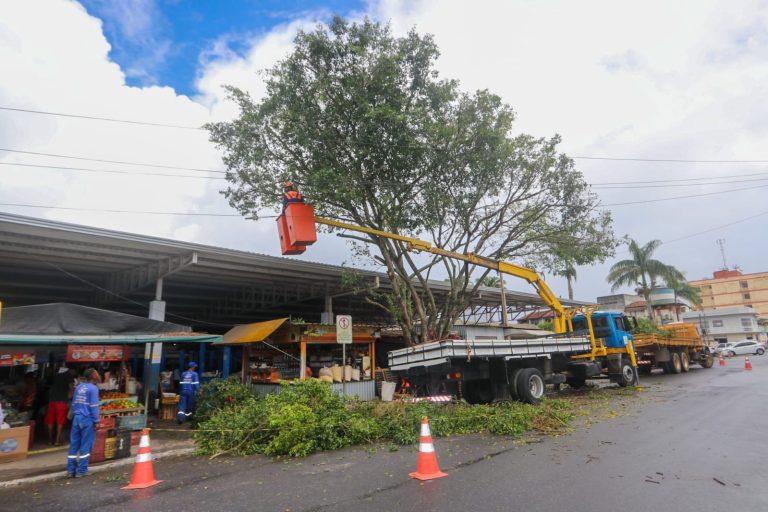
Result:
[362,122]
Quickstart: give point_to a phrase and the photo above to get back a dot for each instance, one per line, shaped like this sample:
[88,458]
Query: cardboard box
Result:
[14,444]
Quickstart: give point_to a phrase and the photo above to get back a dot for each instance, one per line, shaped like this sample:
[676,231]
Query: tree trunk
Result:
[570,287]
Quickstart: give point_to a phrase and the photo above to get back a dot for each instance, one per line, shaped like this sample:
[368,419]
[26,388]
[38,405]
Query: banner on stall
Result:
[16,359]
[96,353]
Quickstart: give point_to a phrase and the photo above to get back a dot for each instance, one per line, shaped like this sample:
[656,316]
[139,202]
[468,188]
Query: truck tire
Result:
[530,386]
[513,383]
[627,376]
[685,361]
[707,361]
[674,365]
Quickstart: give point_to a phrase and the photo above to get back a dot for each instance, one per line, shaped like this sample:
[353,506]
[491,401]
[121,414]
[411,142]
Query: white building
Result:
[727,324]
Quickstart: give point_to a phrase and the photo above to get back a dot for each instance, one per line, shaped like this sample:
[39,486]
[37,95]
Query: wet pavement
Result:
[690,442]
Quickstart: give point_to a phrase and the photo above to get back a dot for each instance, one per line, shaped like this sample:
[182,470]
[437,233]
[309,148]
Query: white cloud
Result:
[652,79]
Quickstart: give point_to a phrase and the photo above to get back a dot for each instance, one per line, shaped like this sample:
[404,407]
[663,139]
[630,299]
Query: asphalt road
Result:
[690,442]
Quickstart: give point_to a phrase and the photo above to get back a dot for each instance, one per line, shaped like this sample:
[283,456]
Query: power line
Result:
[701,178]
[684,197]
[122,162]
[142,212]
[600,186]
[745,219]
[130,173]
[668,160]
[96,118]
[359,142]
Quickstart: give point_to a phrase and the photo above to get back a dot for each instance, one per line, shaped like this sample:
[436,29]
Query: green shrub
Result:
[218,394]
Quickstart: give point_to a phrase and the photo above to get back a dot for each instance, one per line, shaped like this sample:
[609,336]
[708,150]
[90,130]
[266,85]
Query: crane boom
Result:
[530,275]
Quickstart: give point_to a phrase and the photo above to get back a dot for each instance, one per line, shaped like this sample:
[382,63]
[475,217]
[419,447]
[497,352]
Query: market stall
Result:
[281,350]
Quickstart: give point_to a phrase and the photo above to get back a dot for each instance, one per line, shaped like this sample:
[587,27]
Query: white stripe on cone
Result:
[143,457]
[425,430]
[144,443]
[426,447]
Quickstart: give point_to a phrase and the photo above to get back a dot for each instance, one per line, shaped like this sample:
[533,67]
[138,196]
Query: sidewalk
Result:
[48,463]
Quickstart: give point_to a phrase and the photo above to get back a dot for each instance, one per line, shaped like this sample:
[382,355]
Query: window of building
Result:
[746,322]
[746,296]
[744,284]
[717,323]
[748,305]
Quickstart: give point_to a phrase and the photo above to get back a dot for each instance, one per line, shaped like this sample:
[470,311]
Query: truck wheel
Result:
[685,362]
[627,375]
[513,383]
[674,364]
[707,361]
[530,386]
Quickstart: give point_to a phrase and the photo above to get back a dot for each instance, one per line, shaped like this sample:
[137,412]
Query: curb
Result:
[93,469]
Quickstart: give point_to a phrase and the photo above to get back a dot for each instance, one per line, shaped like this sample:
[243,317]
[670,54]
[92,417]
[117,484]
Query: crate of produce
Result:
[169,400]
[99,446]
[119,406]
[110,448]
[106,423]
[135,422]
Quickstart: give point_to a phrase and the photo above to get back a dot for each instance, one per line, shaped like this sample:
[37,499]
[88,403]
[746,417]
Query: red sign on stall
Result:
[96,353]
[16,359]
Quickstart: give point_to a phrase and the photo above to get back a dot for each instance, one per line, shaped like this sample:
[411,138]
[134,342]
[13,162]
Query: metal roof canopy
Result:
[209,288]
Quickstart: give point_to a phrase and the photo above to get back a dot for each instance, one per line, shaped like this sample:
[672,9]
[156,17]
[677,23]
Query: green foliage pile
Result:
[218,394]
[307,417]
[648,326]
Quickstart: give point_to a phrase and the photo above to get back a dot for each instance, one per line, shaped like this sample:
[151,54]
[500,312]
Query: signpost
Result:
[344,338]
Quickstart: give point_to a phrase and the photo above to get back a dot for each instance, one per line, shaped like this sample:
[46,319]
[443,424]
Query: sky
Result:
[671,93]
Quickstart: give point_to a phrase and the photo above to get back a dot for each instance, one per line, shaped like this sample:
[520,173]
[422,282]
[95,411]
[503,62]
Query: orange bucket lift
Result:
[296,226]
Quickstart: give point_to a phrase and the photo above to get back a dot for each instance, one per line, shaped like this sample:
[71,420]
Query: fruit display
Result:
[118,405]
[108,395]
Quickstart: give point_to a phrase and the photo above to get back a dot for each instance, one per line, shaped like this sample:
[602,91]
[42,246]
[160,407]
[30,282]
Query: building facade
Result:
[731,288]
[617,302]
[726,325]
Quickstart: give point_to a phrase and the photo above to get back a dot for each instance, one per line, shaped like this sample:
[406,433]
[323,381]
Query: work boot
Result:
[81,475]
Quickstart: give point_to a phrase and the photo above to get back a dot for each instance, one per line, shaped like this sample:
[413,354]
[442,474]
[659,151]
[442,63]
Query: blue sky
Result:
[159,42]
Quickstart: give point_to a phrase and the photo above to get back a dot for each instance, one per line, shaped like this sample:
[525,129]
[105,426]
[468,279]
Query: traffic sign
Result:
[343,329]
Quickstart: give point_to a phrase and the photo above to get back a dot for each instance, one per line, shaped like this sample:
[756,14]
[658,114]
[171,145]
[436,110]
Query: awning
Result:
[251,333]
[28,339]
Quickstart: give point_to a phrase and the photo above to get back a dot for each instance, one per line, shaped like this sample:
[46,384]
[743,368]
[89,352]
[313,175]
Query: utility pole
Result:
[721,243]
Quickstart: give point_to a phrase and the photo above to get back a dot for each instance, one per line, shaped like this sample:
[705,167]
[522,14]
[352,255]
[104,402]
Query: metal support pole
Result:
[504,320]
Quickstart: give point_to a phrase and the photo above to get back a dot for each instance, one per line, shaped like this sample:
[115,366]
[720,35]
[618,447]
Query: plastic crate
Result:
[123,443]
[136,422]
[106,423]
[110,448]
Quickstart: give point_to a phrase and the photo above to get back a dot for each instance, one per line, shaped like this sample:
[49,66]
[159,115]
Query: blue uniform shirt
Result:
[85,401]
[190,382]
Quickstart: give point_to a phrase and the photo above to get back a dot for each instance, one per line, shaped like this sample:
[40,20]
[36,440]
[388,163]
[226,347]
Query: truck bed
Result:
[439,352]
[645,341]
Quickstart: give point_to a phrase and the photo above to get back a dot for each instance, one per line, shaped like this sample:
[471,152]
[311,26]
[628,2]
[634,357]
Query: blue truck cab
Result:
[613,327]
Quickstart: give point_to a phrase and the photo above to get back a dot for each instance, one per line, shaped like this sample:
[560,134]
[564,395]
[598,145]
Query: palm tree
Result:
[685,291]
[569,273]
[642,271]
[490,281]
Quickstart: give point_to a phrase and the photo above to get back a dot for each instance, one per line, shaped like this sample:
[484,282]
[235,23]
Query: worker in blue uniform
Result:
[85,417]
[188,386]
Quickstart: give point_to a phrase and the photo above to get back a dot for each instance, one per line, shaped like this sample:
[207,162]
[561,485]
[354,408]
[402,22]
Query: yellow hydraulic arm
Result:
[414,244]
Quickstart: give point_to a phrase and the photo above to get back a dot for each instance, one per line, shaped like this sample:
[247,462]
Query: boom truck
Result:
[586,343]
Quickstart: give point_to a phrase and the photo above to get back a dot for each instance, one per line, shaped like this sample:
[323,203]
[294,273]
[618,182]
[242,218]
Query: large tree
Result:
[642,271]
[362,122]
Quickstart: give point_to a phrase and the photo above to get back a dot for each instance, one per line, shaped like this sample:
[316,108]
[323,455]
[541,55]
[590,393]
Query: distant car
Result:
[741,348]
[719,348]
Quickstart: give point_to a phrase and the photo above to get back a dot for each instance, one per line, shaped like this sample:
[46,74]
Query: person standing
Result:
[188,386]
[166,380]
[85,412]
[58,397]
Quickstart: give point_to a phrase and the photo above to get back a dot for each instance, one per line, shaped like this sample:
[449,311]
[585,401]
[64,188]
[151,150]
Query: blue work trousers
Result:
[186,406]
[80,440]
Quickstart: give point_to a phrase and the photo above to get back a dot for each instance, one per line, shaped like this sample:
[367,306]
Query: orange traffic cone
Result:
[143,473]
[722,359]
[426,467]
[747,364]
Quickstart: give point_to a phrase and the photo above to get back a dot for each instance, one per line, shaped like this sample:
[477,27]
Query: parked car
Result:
[741,348]
[718,348]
